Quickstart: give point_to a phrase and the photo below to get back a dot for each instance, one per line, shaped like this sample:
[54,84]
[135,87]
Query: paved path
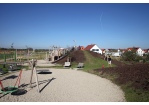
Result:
[63,85]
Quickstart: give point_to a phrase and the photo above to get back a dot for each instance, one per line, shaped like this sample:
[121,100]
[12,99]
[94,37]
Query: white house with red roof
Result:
[94,48]
[145,51]
[138,50]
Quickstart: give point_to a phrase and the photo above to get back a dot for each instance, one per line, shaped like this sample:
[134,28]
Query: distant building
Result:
[145,51]
[94,48]
[138,50]
[122,50]
[103,51]
[80,48]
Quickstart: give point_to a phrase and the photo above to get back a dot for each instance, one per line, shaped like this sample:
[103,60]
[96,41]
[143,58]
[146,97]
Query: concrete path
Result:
[63,85]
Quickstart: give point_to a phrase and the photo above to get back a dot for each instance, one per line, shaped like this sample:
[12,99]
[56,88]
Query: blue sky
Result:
[40,25]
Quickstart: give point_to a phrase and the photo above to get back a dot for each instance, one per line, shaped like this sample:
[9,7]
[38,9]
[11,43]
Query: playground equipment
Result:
[11,89]
[36,77]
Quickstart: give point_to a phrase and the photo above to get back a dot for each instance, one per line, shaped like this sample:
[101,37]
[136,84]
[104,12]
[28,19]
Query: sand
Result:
[62,85]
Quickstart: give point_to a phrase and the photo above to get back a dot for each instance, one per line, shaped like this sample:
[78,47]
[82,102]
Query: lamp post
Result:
[74,43]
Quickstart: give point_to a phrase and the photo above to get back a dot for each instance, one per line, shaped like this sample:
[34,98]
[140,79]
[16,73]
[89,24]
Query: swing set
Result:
[14,88]
[11,89]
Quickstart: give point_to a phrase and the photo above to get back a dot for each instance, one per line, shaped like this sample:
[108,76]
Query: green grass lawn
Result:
[94,63]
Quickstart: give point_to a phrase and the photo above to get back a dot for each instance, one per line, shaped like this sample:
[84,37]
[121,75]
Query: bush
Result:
[129,56]
[139,58]
[147,57]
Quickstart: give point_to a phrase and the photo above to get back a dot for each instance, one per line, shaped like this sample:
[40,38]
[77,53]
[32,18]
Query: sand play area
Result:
[61,85]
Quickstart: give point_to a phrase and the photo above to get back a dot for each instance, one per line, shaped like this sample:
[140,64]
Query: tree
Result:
[147,57]
[129,55]
[36,50]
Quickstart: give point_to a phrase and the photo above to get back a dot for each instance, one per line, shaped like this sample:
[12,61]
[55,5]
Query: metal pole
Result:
[15,56]
[4,57]
[20,55]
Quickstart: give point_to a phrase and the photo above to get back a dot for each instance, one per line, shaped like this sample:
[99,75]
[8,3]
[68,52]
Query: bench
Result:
[80,65]
[67,64]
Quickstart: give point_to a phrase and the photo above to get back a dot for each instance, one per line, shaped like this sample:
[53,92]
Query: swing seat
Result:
[9,89]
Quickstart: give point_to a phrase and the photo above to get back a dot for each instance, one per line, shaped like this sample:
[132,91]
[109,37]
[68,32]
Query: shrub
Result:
[139,58]
[129,56]
[147,57]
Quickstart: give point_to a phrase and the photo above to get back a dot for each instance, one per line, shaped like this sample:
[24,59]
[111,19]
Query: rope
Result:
[2,86]
[19,77]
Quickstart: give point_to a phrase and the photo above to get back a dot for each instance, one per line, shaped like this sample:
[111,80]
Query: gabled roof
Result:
[102,49]
[131,48]
[79,47]
[89,47]
[122,49]
[146,50]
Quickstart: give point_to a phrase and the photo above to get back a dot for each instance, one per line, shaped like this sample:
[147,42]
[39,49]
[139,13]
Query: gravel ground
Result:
[62,85]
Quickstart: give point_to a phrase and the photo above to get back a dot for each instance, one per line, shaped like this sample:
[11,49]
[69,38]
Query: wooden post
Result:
[36,79]
[31,74]
[58,52]
[46,56]
[28,56]
[16,53]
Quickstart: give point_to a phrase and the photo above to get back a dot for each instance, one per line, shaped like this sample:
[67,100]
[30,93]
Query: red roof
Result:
[102,50]
[89,47]
[146,50]
[131,48]
[143,50]
[122,49]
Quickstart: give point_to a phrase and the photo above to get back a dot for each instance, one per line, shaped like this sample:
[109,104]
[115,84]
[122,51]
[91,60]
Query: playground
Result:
[72,85]
[61,85]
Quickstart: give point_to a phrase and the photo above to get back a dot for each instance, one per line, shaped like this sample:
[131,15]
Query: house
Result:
[147,51]
[138,50]
[103,51]
[144,51]
[94,48]
[122,50]
[80,48]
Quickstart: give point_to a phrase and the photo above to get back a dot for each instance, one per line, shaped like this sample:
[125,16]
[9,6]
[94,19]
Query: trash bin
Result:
[3,66]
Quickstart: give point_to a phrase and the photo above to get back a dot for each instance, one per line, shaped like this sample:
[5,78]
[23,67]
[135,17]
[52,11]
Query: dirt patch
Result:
[137,74]
[76,56]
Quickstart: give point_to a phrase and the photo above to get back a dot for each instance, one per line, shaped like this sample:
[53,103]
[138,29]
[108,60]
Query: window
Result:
[95,49]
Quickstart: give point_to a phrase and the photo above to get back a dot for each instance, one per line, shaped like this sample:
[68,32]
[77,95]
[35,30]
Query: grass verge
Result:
[94,63]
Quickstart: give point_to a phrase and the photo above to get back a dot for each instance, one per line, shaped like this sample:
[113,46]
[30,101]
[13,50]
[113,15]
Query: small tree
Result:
[129,55]
[147,57]
[36,50]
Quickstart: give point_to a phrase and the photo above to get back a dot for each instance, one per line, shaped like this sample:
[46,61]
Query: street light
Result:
[74,42]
